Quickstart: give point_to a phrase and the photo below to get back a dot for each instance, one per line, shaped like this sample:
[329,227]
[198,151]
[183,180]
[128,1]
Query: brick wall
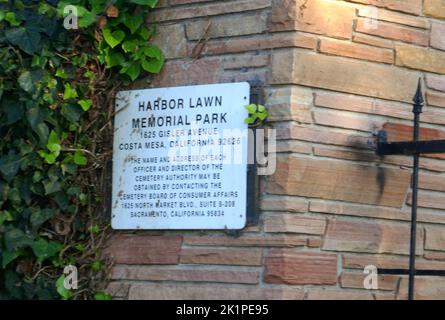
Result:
[335,72]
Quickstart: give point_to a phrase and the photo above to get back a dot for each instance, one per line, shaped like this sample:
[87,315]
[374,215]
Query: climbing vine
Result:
[60,64]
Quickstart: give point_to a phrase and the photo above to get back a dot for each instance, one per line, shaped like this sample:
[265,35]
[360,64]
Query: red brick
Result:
[358,51]
[431,182]
[322,71]
[420,58]
[240,257]
[426,288]
[435,99]
[288,267]
[291,204]
[332,294]
[118,289]
[346,121]
[281,40]
[315,16]
[384,261]
[211,9]
[356,280]
[177,73]
[321,135]
[435,82]
[372,41]
[337,180]
[360,236]
[191,275]
[211,292]
[294,146]
[246,61]
[247,240]
[434,8]
[392,31]
[144,249]
[429,200]
[409,6]
[435,238]
[437,35]
[348,209]
[391,16]
[401,132]
[293,223]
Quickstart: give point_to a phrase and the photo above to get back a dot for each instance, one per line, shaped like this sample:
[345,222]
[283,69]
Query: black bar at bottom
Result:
[437,273]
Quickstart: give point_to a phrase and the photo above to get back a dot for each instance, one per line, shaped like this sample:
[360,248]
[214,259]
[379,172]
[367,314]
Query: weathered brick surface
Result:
[355,236]
[392,31]
[142,249]
[410,6]
[356,280]
[291,223]
[300,268]
[434,8]
[252,240]
[311,16]
[435,239]
[292,204]
[212,292]
[334,73]
[240,257]
[322,72]
[362,52]
[189,275]
[437,35]
[420,58]
[227,26]
[426,288]
[347,209]
[339,181]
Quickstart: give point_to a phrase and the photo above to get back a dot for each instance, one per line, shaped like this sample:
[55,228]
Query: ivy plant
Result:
[55,88]
[257,114]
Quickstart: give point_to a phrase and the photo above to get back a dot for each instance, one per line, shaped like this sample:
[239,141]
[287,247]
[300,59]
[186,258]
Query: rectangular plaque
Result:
[180,158]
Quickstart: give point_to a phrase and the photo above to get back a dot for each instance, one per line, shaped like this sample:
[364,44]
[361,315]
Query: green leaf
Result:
[16,239]
[251,108]
[9,166]
[72,112]
[150,3]
[27,39]
[26,82]
[52,186]
[133,21]
[129,46]
[114,59]
[45,249]
[113,38]
[39,217]
[85,104]
[8,257]
[70,92]
[133,71]
[53,144]
[79,158]
[153,65]
[87,19]
[11,18]
[102,296]
[249,120]
[61,290]
[153,52]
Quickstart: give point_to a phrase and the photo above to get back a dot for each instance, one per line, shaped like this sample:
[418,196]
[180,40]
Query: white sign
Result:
[180,158]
